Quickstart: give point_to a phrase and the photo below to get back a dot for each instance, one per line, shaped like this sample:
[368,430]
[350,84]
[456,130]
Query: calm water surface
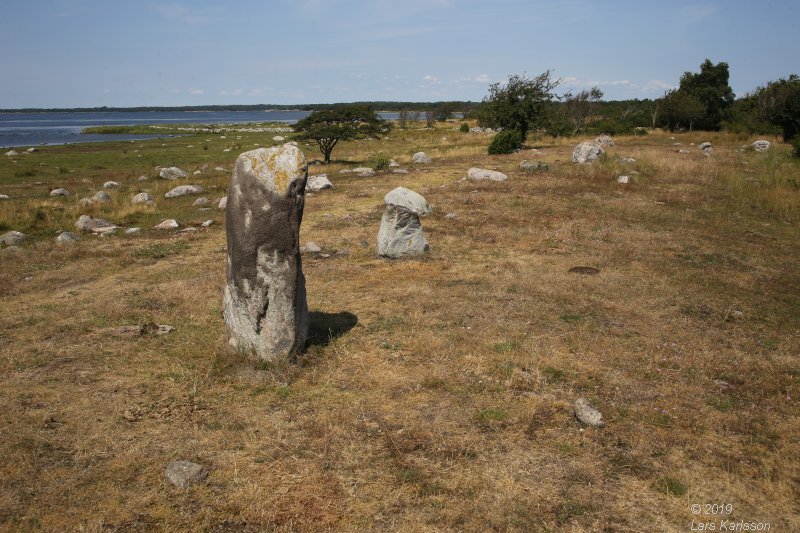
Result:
[31,129]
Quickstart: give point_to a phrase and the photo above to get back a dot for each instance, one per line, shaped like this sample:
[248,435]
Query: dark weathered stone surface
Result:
[265,297]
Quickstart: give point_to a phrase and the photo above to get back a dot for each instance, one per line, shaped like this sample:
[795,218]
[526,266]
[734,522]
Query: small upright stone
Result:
[265,297]
[170,223]
[400,233]
[761,146]
[59,192]
[201,202]
[223,203]
[110,185]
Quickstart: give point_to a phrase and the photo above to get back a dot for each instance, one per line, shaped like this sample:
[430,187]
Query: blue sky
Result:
[189,52]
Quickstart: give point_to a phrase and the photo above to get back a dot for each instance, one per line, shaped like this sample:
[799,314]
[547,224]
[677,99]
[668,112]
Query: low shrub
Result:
[381,163]
[505,142]
[464,128]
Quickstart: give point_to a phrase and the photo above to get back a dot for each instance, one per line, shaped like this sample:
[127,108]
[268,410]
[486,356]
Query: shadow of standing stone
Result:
[324,327]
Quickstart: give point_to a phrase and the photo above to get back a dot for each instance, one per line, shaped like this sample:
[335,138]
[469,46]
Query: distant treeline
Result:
[380,105]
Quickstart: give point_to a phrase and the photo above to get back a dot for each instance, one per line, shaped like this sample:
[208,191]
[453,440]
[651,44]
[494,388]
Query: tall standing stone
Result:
[265,297]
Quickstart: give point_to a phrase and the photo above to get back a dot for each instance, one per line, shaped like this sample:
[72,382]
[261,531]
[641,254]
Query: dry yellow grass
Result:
[447,406]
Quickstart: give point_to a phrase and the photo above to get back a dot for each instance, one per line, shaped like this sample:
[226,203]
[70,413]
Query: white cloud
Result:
[179,13]
[256,92]
[482,78]
[657,85]
[237,92]
[196,92]
[431,79]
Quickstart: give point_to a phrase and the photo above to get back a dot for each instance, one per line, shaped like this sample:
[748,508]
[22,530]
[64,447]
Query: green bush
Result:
[505,142]
[381,163]
[464,128]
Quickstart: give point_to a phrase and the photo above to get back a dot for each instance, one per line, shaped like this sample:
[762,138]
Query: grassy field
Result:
[437,393]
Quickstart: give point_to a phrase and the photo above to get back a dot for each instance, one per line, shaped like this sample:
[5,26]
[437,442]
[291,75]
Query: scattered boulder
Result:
[623,179]
[172,173]
[12,237]
[223,203]
[311,248]
[319,182]
[196,173]
[451,216]
[704,146]
[85,203]
[761,146]
[32,149]
[683,151]
[278,139]
[183,474]
[4,197]
[399,171]
[207,223]
[94,225]
[142,198]
[586,414]
[366,174]
[346,171]
[66,237]
[266,311]
[133,231]
[628,160]
[420,158]
[170,223]
[59,192]
[533,166]
[183,190]
[101,197]
[110,185]
[586,152]
[604,140]
[220,169]
[143,178]
[400,233]
[393,164]
[201,202]
[12,153]
[477,174]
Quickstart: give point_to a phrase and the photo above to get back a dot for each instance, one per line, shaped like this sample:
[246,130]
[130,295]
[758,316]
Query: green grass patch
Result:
[670,486]
[161,249]
[493,414]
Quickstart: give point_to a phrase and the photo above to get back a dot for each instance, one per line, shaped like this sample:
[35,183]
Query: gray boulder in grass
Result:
[586,152]
[183,190]
[587,414]
[400,233]
[172,173]
[183,474]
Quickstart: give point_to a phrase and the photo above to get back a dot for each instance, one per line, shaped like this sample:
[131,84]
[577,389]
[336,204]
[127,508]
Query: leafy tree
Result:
[780,101]
[341,123]
[521,104]
[711,88]
[680,108]
[579,107]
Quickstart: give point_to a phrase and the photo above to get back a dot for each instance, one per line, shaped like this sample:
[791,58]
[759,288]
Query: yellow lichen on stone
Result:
[275,167]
